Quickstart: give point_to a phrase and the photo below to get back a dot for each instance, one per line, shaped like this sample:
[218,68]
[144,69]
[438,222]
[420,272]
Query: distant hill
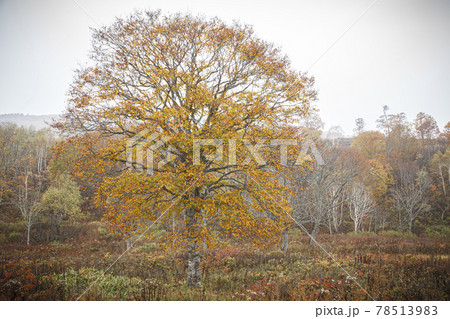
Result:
[38,121]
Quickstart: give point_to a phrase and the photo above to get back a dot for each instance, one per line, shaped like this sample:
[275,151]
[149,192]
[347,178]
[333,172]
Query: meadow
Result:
[389,266]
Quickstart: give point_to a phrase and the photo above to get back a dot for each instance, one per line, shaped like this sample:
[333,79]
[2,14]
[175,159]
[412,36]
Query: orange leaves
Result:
[186,78]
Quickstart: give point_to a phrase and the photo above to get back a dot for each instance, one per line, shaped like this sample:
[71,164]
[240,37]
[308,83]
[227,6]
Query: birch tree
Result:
[28,199]
[321,192]
[23,160]
[360,205]
[440,169]
[410,195]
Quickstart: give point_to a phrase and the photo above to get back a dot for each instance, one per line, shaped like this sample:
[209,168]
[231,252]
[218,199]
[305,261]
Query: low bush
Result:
[367,233]
[149,247]
[396,234]
[103,231]
[15,237]
[438,231]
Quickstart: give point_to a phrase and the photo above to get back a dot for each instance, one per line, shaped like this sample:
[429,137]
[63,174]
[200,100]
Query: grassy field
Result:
[387,267]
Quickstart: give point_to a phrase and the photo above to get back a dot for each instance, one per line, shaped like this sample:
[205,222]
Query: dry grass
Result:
[388,268]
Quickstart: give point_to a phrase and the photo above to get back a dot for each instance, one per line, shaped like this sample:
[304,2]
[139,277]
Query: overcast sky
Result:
[396,54]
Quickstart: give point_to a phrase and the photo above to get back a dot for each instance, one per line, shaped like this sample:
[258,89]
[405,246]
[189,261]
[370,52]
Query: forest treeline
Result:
[394,180]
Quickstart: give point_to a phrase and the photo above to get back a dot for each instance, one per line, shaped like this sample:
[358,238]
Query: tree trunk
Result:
[28,234]
[285,240]
[205,246]
[56,222]
[410,226]
[194,258]
[173,231]
[58,227]
[314,234]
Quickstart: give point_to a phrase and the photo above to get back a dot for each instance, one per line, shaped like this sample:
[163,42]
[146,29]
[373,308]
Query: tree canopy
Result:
[183,79]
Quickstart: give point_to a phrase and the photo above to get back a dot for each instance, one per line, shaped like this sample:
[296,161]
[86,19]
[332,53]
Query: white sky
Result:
[397,54]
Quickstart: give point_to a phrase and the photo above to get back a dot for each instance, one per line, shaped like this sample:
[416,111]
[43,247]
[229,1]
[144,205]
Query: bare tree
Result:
[28,200]
[23,161]
[440,168]
[335,216]
[360,204]
[359,126]
[334,134]
[321,193]
[410,195]
[427,129]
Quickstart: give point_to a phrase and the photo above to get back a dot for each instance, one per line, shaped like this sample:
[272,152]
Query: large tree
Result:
[183,79]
